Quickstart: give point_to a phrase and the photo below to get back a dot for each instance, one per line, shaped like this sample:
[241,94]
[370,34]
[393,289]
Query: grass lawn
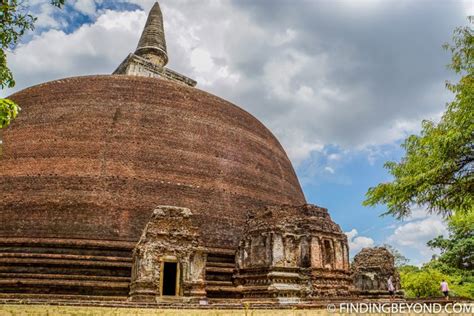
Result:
[119,311]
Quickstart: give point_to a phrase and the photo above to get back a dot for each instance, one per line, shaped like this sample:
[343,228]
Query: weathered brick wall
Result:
[90,158]
[371,269]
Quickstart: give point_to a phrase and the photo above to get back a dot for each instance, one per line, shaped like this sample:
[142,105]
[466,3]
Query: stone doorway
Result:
[170,278]
[328,254]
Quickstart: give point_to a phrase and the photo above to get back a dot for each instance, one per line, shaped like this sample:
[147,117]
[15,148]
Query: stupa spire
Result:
[152,44]
[150,57]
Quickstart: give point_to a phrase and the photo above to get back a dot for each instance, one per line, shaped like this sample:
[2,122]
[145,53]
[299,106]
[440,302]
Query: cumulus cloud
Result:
[91,49]
[416,231]
[317,75]
[331,79]
[87,7]
[356,242]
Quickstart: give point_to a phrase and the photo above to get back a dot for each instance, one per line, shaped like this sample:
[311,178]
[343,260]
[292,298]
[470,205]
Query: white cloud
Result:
[44,14]
[417,231]
[87,7]
[334,157]
[356,243]
[315,75]
[329,169]
[284,38]
[91,49]
[419,213]
[318,75]
[468,7]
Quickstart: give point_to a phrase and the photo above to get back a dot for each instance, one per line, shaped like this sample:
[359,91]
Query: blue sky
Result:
[340,83]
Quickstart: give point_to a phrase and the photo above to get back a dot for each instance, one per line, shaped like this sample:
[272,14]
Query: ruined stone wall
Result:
[171,234]
[371,270]
[292,251]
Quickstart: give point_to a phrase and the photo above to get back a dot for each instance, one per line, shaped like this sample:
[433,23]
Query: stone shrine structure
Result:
[169,238]
[292,252]
[371,270]
[141,187]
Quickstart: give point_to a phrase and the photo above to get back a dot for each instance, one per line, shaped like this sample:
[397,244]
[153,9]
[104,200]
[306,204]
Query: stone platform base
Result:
[213,304]
[108,301]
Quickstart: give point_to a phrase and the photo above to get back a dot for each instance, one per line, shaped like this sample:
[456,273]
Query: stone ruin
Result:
[292,252]
[167,260]
[191,149]
[371,269]
[287,253]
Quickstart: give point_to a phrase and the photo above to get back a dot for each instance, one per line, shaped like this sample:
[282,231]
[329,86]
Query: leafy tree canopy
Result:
[455,264]
[437,169]
[15,20]
[425,281]
[421,282]
[457,251]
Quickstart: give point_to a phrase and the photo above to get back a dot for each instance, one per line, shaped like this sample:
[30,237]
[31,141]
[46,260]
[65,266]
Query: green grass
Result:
[36,310]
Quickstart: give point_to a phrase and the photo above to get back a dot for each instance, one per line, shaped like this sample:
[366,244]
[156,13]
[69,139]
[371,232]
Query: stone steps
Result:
[47,282]
[219,275]
[220,283]
[220,258]
[65,286]
[223,290]
[50,276]
[221,264]
[63,256]
[25,297]
[65,267]
[225,270]
[56,261]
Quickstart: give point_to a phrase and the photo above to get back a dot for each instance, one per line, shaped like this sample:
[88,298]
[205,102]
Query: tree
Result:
[457,251]
[425,281]
[418,282]
[14,22]
[437,169]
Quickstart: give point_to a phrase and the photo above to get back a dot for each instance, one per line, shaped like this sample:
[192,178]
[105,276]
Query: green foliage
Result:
[421,282]
[425,281]
[461,281]
[457,251]
[437,170]
[455,264]
[8,111]
[15,21]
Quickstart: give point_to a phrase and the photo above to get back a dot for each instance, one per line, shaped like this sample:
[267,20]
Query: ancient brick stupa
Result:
[139,186]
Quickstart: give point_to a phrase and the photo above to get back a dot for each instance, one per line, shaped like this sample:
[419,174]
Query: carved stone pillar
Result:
[339,258]
[195,276]
[144,286]
[278,250]
[316,255]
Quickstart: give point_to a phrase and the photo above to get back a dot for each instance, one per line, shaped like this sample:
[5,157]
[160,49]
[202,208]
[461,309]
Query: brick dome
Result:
[90,157]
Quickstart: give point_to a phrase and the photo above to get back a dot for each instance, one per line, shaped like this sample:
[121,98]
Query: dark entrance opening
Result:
[170,270]
[328,254]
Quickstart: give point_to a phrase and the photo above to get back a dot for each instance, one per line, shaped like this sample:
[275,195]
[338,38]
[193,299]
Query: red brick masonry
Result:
[89,158]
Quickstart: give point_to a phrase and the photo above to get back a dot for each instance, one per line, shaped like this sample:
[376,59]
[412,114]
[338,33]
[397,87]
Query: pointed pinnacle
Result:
[152,44]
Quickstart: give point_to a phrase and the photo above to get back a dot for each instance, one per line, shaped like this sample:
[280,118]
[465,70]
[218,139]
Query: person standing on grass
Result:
[445,289]
[390,287]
